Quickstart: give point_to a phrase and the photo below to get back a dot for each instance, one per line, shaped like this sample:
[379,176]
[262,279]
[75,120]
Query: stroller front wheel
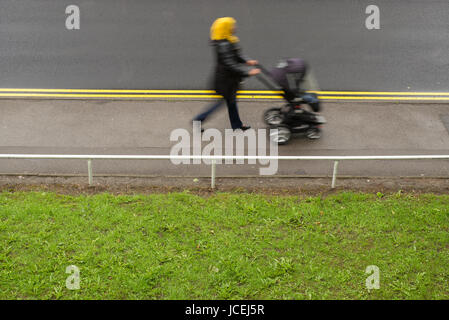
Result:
[313,133]
[281,136]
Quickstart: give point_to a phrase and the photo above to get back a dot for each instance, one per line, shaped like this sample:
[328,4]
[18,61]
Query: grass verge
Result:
[226,246]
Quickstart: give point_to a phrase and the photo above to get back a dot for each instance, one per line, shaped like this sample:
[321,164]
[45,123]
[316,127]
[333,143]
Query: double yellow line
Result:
[208,94]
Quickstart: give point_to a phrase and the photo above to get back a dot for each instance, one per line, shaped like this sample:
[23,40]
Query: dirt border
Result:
[201,185]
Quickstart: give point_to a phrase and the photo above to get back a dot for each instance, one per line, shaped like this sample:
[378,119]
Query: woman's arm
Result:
[238,54]
[244,59]
[228,57]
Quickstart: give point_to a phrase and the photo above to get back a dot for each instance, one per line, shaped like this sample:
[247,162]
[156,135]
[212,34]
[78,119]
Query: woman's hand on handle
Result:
[253,72]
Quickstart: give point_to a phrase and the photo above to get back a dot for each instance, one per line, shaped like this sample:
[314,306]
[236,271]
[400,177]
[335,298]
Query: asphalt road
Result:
[163,44]
[144,127]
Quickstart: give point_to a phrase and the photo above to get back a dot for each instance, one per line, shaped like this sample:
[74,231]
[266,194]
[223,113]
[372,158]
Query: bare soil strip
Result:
[272,185]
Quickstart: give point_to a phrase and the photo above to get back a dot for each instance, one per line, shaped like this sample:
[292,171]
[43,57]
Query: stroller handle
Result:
[264,80]
[263,69]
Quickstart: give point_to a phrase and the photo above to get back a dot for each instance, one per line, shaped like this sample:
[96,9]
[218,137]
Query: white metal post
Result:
[334,176]
[89,171]
[212,181]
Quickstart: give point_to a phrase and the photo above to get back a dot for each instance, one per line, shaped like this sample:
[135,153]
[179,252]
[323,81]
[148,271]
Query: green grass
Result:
[227,246]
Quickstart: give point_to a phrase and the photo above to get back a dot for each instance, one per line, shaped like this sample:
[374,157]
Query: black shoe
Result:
[201,125]
[243,128]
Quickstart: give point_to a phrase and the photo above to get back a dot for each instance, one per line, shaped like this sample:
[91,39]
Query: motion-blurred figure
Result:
[229,70]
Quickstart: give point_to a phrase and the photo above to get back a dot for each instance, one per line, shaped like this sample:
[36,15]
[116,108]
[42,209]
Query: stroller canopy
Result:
[289,73]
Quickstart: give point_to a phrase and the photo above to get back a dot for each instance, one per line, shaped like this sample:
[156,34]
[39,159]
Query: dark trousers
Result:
[209,110]
[233,111]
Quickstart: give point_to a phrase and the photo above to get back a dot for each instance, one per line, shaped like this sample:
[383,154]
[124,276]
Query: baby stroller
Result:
[292,118]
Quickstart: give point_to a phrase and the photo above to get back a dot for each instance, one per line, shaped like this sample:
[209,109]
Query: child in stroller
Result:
[292,117]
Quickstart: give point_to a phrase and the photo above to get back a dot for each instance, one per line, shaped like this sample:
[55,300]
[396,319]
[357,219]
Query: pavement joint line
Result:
[102,175]
[254,100]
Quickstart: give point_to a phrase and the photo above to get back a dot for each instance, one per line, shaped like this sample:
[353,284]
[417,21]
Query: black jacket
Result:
[229,71]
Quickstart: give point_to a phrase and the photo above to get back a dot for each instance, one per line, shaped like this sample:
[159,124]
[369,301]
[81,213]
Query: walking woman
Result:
[229,70]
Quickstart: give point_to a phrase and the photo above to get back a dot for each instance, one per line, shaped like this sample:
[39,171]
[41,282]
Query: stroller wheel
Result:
[273,116]
[313,133]
[281,136]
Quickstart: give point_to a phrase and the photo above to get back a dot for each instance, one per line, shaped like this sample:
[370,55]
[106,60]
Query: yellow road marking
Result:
[383,93]
[107,95]
[257,92]
[43,95]
[355,98]
[104,90]
[384,98]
